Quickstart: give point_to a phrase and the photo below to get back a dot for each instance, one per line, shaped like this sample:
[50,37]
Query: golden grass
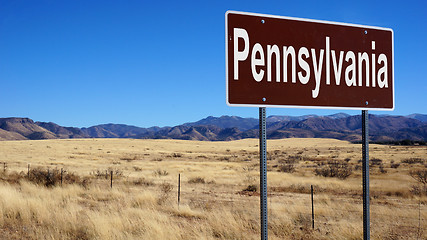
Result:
[143,201]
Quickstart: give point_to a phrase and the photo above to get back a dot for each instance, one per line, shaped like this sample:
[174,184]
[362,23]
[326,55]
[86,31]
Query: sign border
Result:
[304,20]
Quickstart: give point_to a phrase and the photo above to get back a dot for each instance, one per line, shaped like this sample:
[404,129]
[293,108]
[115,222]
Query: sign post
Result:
[365,173]
[276,61]
[263,172]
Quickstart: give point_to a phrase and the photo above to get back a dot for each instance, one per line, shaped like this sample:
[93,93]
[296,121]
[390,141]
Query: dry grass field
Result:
[219,189]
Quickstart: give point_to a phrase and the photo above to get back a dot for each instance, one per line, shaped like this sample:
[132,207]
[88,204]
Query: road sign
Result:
[275,61]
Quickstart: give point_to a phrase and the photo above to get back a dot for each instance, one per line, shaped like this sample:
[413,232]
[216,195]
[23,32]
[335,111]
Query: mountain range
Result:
[382,128]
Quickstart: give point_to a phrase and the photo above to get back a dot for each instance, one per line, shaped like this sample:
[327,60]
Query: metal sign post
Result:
[365,174]
[263,172]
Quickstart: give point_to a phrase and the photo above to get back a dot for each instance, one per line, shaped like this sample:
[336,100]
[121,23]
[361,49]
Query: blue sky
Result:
[147,63]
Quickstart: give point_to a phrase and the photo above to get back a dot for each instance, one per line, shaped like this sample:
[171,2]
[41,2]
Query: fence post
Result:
[28,173]
[179,188]
[61,176]
[312,207]
[419,219]
[111,184]
[4,167]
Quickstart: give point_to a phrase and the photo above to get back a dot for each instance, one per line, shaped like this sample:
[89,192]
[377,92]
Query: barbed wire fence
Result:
[328,215]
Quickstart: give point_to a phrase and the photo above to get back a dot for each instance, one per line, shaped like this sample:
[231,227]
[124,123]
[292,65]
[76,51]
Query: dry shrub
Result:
[197,180]
[130,158]
[107,173]
[116,172]
[334,168]
[100,173]
[12,177]
[42,177]
[160,173]
[142,182]
[165,189]
[382,170]
[251,188]
[137,169]
[375,161]
[419,190]
[52,177]
[71,178]
[287,168]
[294,159]
[394,165]
[419,175]
[303,221]
[413,161]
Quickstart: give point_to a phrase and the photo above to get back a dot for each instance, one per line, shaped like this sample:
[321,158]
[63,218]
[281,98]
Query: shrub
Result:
[137,169]
[335,168]
[375,161]
[116,172]
[382,170]
[160,173]
[49,177]
[287,168]
[413,161]
[129,158]
[100,173]
[294,158]
[165,189]
[419,190]
[419,175]
[251,188]
[196,180]
[303,221]
[394,165]
[142,181]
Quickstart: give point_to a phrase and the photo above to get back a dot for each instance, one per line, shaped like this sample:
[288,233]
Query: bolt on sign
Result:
[275,61]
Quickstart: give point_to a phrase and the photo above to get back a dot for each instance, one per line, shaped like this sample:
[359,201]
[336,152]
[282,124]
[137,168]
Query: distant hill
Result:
[275,118]
[227,122]
[421,117]
[342,126]
[23,128]
[63,132]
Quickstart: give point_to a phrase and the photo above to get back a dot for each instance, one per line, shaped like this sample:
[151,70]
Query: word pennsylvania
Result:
[361,70]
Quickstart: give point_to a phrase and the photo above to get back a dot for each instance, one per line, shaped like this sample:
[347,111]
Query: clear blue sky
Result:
[147,63]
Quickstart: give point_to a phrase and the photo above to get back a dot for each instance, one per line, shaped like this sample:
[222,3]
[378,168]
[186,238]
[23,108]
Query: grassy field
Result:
[219,189]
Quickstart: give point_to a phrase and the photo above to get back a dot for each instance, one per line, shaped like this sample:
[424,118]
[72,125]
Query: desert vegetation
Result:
[60,189]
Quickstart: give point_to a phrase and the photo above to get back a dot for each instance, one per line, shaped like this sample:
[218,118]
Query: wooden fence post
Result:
[111,183]
[312,207]
[179,188]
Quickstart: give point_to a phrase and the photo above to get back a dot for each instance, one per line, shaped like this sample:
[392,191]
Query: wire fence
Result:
[409,214]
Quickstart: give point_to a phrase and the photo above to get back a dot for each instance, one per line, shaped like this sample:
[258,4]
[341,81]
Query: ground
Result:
[219,194]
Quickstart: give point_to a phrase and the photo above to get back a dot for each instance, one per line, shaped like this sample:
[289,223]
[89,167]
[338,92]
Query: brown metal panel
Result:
[311,34]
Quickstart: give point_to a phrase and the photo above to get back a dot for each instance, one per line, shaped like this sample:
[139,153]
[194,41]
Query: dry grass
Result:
[143,201]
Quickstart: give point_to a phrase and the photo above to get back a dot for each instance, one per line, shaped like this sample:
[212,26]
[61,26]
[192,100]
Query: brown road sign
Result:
[291,62]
